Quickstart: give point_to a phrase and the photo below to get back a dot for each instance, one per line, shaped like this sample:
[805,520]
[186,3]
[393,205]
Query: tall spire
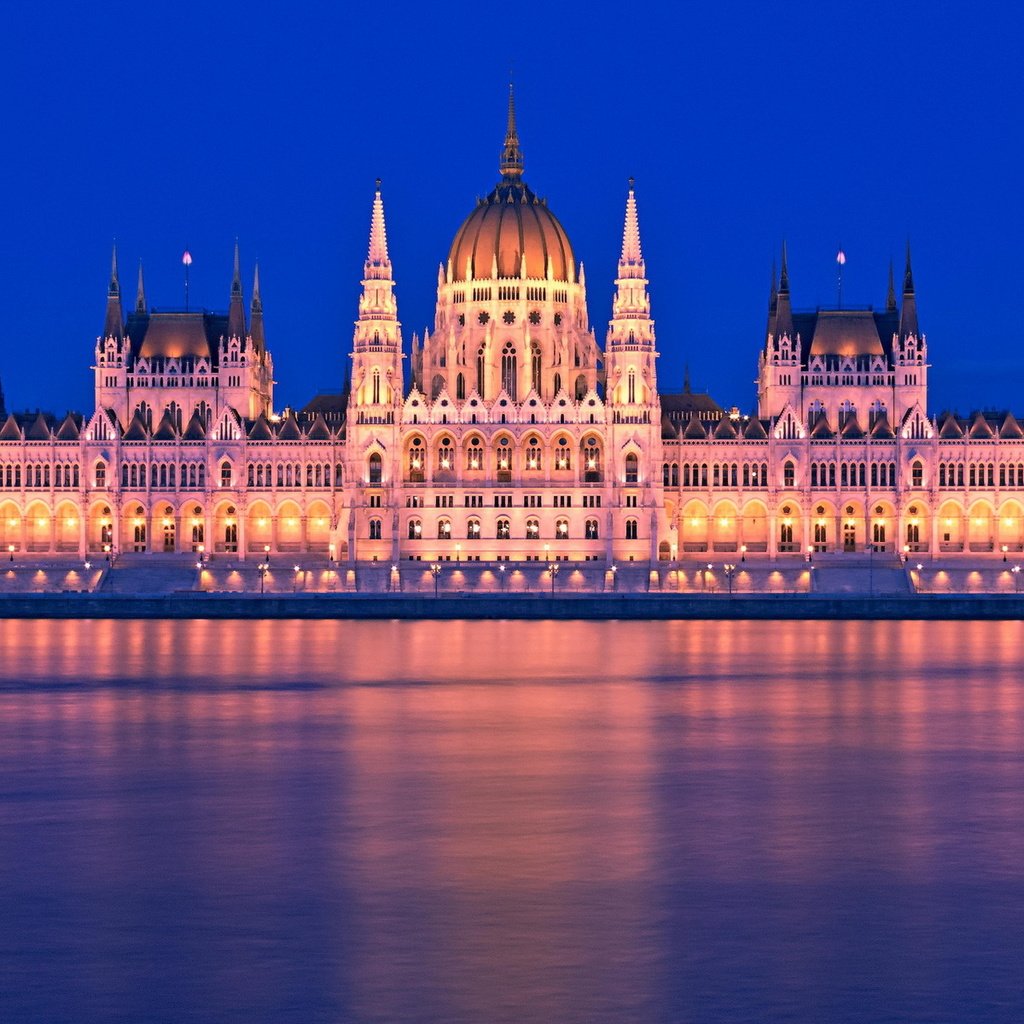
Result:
[113,324]
[140,293]
[511,165]
[908,315]
[890,299]
[256,311]
[783,310]
[377,256]
[773,291]
[631,253]
[236,311]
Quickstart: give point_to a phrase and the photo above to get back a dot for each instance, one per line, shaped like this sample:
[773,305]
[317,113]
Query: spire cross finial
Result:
[511,165]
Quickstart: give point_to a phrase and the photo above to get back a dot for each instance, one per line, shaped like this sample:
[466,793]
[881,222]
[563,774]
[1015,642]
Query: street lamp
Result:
[1005,549]
[1016,578]
[743,552]
[296,578]
[906,553]
[435,571]
[263,567]
[10,550]
[266,554]
[730,571]
[553,568]
[458,554]
[615,577]
[810,552]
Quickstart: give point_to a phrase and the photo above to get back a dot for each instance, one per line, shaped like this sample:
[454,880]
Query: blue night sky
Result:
[171,124]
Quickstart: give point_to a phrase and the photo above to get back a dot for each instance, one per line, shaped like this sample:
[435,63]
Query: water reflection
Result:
[505,821]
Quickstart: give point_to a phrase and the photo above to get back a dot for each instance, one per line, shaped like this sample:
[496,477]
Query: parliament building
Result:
[508,433]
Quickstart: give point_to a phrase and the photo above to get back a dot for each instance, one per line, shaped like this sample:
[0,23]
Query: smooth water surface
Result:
[511,821]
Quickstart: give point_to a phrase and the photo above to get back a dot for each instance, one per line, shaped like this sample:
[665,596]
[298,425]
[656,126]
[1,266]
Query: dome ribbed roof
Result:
[510,224]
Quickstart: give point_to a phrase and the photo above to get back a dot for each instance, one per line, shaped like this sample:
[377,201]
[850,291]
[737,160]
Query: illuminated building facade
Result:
[510,434]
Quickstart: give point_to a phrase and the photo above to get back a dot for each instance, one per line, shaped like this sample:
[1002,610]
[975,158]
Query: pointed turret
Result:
[140,293]
[236,311]
[113,325]
[377,341]
[890,299]
[783,309]
[511,166]
[256,312]
[630,341]
[908,315]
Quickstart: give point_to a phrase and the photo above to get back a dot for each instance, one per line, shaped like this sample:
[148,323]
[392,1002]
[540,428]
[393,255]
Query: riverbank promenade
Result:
[180,586]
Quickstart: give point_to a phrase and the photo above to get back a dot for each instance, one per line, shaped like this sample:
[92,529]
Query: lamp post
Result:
[705,582]
[458,554]
[615,577]
[553,568]
[743,552]
[1016,578]
[501,577]
[266,553]
[1005,549]
[10,551]
[435,571]
[810,553]
[262,567]
[906,554]
[296,578]
[730,571]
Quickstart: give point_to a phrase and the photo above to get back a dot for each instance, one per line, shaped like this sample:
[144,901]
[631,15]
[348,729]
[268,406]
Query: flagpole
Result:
[186,259]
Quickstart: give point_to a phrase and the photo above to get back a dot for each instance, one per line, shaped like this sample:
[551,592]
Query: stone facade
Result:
[514,436]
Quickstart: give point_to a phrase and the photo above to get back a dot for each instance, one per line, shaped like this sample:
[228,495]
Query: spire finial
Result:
[236,280]
[784,275]
[511,166]
[908,275]
[890,300]
[257,300]
[631,254]
[378,250]
[773,293]
[115,288]
[140,293]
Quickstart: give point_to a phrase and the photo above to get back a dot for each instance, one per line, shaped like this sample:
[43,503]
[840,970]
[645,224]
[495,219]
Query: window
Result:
[591,530]
[504,531]
[591,461]
[101,474]
[532,529]
[631,529]
[562,529]
[415,529]
[917,475]
[444,529]
[225,474]
[633,469]
[789,475]
[508,370]
[445,454]
[375,533]
[532,456]
[375,469]
[473,529]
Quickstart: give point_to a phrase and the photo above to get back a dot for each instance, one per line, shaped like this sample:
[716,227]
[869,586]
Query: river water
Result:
[511,821]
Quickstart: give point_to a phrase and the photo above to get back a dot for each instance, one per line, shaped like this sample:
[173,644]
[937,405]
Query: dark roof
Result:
[687,404]
[846,332]
[176,335]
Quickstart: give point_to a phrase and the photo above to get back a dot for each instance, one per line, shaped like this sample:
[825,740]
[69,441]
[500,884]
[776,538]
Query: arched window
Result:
[415,529]
[631,529]
[633,468]
[535,366]
[917,475]
[532,529]
[375,529]
[481,364]
[375,469]
[788,475]
[473,529]
[532,455]
[562,529]
[591,530]
[460,387]
[591,461]
[474,454]
[504,530]
[416,456]
[508,370]
[101,474]
[504,460]
[225,474]
[445,454]
[444,529]
[376,387]
[631,385]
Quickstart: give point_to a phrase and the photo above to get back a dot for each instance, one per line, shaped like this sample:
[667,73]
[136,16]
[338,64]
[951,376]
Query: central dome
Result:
[511,228]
